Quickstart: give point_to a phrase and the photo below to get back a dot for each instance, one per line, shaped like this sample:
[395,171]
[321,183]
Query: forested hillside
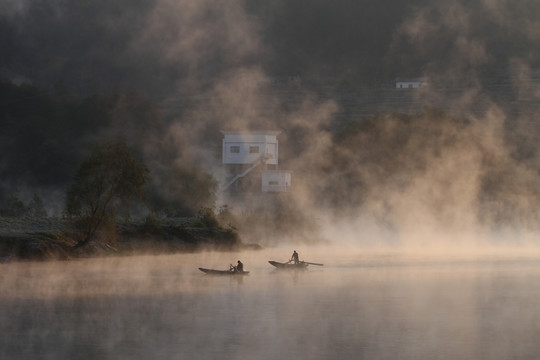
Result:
[166,76]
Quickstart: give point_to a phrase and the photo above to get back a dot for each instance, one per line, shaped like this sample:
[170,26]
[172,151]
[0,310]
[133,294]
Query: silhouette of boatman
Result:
[240,266]
[294,257]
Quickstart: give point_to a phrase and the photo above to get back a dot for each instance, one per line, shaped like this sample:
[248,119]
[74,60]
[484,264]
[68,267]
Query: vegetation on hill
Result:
[112,207]
[55,239]
[165,77]
[105,185]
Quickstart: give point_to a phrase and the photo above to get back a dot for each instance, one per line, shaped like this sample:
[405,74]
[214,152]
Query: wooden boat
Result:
[223,272]
[288,265]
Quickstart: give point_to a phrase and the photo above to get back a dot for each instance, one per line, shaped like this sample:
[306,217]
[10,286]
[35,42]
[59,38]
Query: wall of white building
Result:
[276,180]
[248,147]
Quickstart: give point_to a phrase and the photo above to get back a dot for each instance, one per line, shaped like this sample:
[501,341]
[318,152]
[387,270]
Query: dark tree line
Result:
[45,135]
[12,206]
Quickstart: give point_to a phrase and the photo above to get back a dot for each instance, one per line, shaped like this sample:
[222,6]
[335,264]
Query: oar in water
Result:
[310,263]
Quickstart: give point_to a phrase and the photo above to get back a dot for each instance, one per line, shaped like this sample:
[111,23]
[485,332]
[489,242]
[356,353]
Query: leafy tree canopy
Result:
[105,185]
[182,191]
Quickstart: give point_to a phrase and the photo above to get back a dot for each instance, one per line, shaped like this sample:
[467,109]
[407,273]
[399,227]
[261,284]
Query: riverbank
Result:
[54,239]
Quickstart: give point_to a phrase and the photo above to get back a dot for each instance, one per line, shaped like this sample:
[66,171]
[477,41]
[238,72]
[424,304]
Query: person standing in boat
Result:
[294,257]
[239,267]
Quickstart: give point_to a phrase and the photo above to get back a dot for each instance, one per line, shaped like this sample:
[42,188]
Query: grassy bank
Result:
[54,239]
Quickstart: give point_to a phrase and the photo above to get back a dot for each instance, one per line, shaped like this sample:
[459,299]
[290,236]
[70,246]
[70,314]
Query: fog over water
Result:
[361,304]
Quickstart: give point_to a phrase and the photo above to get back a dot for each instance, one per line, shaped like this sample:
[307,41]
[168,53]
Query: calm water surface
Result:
[358,306]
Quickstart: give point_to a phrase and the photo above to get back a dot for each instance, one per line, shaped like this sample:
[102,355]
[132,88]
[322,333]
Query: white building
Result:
[245,151]
[249,147]
[276,180]
[411,83]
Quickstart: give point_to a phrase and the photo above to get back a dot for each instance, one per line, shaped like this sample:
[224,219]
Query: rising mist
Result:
[457,157]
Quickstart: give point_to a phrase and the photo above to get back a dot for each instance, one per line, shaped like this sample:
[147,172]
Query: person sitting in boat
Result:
[294,257]
[239,267]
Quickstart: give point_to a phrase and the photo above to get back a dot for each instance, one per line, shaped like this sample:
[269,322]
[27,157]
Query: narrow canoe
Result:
[300,265]
[223,272]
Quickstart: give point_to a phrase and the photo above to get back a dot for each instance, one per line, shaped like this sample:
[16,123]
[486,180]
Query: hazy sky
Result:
[153,45]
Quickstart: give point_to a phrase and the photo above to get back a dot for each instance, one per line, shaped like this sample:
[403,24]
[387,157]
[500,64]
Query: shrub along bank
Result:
[54,239]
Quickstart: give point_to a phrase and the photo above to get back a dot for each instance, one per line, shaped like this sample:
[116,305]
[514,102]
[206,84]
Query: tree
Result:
[12,207]
[182,191]
[36,208]
[105,185]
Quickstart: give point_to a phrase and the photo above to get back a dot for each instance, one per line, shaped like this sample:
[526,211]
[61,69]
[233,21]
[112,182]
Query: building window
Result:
[253,149]
[235,149]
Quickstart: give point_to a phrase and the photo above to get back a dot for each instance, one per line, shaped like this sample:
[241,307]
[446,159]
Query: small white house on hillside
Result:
[251,161]
[411,83]
[243,147]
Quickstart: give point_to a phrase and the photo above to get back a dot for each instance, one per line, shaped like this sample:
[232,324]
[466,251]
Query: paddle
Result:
[310,263]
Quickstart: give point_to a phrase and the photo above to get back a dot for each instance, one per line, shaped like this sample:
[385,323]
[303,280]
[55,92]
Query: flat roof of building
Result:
[251,132]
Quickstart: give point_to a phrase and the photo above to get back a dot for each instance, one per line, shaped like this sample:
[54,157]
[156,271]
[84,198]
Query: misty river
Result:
[359,305]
